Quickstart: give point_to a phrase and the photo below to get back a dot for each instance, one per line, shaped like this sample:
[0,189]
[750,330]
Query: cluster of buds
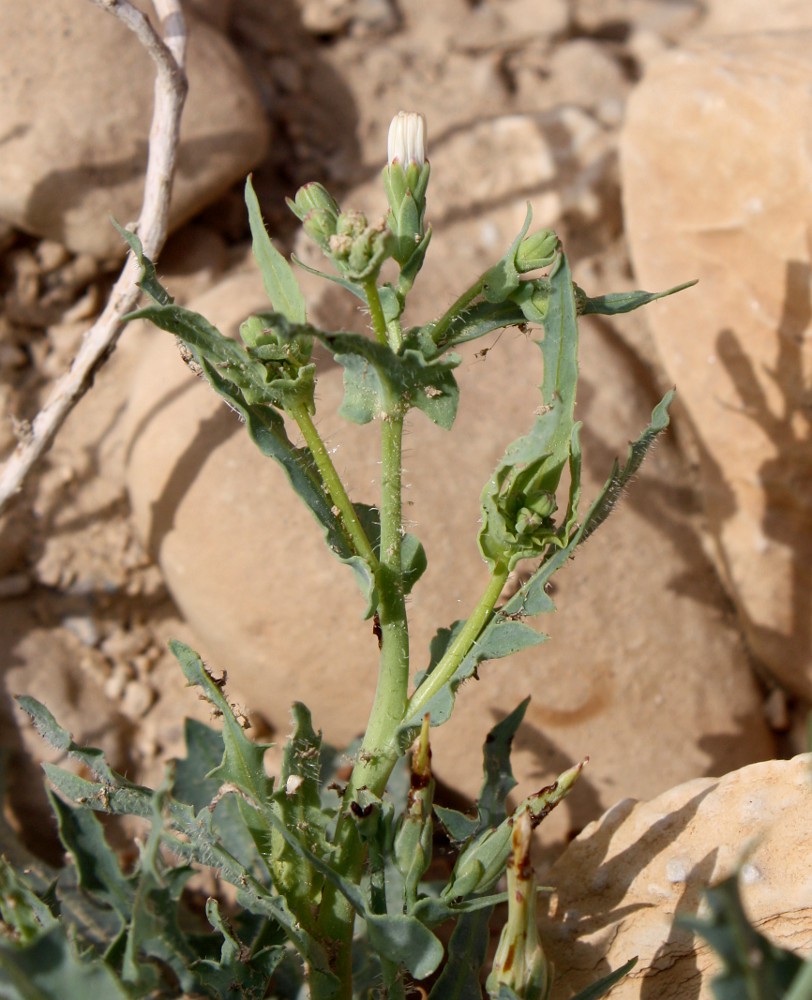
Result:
[357,248]
[517,510]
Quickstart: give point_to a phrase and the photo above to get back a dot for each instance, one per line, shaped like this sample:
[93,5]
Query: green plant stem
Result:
[460,647]
[376,311]
[379,749]
[440,328]
[334,486]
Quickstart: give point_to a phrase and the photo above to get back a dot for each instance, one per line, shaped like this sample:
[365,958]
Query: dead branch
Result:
[167,49]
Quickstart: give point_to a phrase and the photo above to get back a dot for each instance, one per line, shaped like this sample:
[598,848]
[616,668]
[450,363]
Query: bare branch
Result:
[168,51]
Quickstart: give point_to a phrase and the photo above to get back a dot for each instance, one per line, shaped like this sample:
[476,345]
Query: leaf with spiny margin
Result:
[154,931]
[98,871]
[148,281]
[501,638]
[49,968]
[600,988]
[60,739]
[622,302]
[277,275]
[752,966]
[243,761]
[21,908]
[298,805]
[192,784]
[239,972]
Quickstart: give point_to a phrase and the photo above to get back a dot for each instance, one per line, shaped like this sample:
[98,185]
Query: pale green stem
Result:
[440,328]
[376,311]
[334,486]
[379,752]
[460,647]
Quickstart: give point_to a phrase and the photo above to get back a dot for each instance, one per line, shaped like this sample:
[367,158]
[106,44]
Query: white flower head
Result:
[407,139]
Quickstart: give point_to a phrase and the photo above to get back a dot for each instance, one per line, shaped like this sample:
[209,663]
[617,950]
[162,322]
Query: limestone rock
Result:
[620,885]
[75,117]
[733,17]
[644,670]
[717,175]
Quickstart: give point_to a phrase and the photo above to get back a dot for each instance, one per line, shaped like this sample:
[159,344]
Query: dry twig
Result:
[168,51]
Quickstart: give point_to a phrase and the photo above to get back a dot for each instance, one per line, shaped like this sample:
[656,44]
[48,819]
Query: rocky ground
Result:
[663,139]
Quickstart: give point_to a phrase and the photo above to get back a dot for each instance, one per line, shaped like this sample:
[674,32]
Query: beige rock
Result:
[620,885]
[717,176]
[75,118]
[733,17]
[642,625]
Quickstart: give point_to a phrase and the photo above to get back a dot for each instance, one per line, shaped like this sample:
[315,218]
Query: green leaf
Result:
[96,864]
[531,599]
[48,969]
[502,637]
[600,988]
[413,560]
[478,320]
[299,807]
[622,302]
[460,978]
[459,827]
[60,739]
[377,381]
[149,279]
[243,761]
[238,973]
[154,932]
[519,499]
[277,275]
[503,277]
[193,785]
[498,780]
[21,908]
[752,966]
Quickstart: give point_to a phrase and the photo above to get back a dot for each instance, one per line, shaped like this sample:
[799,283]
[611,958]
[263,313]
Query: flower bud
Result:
[405,179]
[407,139]
[318,212]
[520,963]
[537,251]
[357,248]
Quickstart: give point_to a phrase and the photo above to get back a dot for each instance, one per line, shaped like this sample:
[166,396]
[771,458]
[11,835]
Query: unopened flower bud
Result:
[407,139]
[318,212]
[405,179]
[520,963]
[537,251]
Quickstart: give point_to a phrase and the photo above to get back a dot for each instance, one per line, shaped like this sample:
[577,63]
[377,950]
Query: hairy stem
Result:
[334,486]
[376,311]
[379,751]
[440,328]
[460,647]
